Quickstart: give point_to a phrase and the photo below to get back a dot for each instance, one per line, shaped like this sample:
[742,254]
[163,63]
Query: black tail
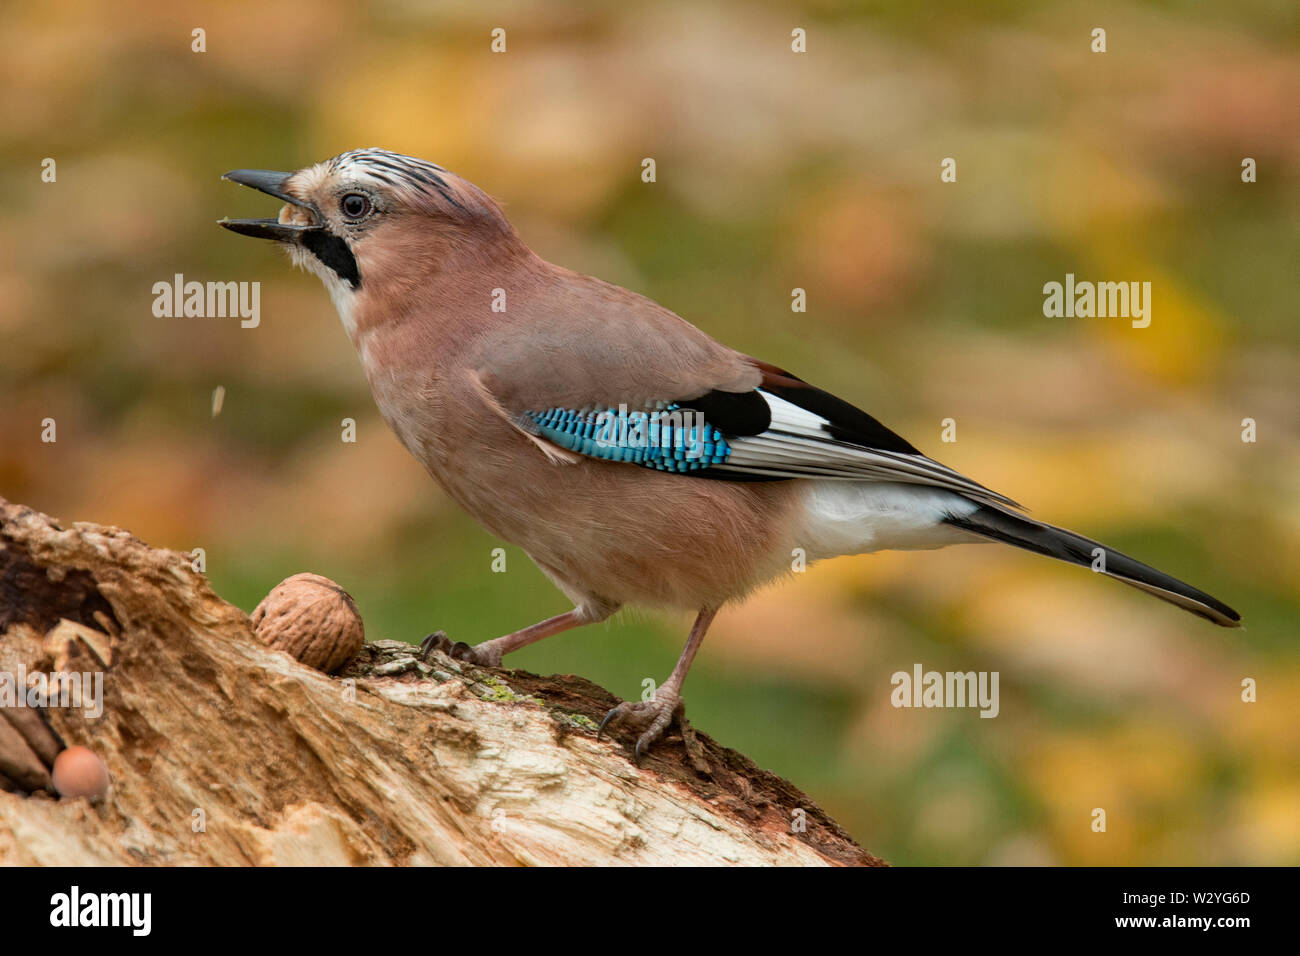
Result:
[998,525]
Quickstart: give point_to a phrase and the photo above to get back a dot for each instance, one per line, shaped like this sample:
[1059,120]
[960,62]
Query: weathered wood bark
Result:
[222,751]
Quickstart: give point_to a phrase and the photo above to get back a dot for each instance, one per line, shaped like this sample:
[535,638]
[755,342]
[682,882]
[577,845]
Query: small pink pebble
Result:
[79,773]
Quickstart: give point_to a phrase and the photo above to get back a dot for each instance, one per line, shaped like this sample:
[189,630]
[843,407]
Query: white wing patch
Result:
[798,444]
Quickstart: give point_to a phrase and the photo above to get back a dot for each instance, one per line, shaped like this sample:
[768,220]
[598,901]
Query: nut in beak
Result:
[295,220]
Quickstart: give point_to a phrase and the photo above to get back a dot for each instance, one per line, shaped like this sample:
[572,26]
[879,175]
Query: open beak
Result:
[296,219]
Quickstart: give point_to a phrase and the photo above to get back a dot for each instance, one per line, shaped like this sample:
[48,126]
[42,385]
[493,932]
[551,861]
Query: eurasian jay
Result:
[635,459]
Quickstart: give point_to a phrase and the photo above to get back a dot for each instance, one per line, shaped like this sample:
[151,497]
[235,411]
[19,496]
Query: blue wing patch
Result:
[670,439]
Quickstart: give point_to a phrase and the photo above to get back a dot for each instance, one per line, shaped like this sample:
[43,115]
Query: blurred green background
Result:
[775,170]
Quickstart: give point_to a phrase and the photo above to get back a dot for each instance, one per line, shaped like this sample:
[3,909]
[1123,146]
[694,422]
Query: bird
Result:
[636,460]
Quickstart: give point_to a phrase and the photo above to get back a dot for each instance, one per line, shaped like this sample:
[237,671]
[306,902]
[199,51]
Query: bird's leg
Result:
[489,653]
[659,710]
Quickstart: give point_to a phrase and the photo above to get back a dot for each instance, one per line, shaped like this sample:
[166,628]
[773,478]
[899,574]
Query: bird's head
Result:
[370,217]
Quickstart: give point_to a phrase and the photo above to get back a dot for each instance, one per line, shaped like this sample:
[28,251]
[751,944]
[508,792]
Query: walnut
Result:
[313,619]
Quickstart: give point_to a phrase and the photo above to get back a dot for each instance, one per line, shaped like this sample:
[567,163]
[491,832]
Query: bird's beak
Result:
[293,223]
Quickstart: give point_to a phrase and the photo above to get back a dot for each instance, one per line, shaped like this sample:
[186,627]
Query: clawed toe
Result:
[656,715]
[459,650]
[439,641]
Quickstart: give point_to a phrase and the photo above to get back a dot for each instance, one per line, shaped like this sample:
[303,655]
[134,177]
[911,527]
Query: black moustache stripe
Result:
[334,252]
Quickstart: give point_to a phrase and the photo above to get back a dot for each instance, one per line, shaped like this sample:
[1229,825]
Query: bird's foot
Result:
[656,716]
[484,655]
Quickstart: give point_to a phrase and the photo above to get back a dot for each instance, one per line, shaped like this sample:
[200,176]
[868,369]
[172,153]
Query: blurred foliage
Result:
[775,170]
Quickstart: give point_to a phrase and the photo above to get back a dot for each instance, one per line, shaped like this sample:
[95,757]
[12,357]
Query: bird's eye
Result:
[355,206]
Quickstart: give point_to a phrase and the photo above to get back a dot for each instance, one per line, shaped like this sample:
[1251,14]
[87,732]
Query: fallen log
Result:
[223,751]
